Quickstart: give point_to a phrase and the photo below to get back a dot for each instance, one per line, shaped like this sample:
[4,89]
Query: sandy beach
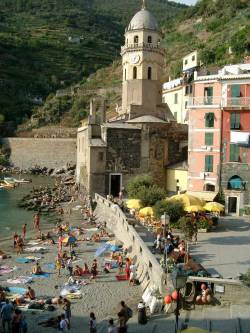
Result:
[101,296]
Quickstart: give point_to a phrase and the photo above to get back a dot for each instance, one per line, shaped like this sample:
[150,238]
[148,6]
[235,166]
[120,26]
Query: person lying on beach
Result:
[30,293]
[36,269]
[78,271]
[57,300]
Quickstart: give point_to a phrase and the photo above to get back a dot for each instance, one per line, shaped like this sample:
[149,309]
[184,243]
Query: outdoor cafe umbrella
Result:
[194,209]
[214,207]
[146,211]
[103,248]
[133,204]
[187,199]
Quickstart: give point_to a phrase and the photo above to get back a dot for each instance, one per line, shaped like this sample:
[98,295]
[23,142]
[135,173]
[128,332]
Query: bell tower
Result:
[142,61]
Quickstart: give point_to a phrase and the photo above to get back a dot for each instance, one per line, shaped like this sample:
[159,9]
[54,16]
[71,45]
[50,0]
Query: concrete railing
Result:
[149,271]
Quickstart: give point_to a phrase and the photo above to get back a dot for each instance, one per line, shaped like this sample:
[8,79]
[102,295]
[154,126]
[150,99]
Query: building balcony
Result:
[142,47]
[219,102]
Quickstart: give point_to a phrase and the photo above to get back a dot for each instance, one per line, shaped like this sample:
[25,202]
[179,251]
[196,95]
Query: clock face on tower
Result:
[134,59]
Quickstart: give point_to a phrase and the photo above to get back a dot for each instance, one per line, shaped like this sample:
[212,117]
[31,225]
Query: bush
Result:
[175,210]
[150,195]
[138,183]
[204,223]
[186,227]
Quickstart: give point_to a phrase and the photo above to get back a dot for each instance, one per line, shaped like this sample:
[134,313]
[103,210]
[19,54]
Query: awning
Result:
[205,195]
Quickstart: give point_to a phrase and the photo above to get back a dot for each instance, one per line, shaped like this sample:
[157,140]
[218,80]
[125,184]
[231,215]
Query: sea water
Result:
[11,216]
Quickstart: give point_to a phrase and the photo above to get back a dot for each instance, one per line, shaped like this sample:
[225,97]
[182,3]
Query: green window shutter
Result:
[209,161]
[232,120]
[237,120]
[209,119]
[209,139]
[234,153]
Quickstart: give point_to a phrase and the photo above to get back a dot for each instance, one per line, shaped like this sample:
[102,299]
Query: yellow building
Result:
[176,178]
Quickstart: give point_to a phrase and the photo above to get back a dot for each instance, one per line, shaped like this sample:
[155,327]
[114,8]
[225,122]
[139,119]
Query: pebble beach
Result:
[100,296]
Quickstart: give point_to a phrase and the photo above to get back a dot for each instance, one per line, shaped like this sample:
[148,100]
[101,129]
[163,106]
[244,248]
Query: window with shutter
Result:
[235,120]
[209,139]
[209,161]
[209,119]
[234,153]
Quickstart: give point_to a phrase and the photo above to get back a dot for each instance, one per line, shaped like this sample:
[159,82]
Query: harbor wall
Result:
[43,152]
[149,271]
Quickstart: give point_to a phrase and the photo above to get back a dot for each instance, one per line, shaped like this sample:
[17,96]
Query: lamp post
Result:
[165,222]
[179,279]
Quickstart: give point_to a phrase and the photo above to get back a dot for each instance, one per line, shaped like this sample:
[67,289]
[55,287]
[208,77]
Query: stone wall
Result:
[50,153]
[149,271]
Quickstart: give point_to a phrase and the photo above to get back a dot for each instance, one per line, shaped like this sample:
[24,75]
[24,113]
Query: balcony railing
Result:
[213,101]
[144,46]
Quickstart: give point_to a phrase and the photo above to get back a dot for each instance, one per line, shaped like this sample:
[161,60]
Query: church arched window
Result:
[136,39]
[149,73]
[149,39]
[135,73]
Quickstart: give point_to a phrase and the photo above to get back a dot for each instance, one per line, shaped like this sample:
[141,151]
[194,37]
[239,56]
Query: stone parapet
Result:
[149,271]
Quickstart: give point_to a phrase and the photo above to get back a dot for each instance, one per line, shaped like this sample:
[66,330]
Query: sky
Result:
[187,2]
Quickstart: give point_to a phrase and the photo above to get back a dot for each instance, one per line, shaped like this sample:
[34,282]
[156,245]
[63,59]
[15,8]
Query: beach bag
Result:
[130,313]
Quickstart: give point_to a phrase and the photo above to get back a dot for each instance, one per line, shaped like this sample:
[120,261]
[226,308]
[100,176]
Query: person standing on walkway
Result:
[6,315]
[92,323]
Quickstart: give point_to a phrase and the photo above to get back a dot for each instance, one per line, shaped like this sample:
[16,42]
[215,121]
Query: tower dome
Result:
[143,20]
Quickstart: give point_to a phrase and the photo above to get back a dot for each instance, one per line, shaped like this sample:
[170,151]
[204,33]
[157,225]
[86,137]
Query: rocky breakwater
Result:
[47,198]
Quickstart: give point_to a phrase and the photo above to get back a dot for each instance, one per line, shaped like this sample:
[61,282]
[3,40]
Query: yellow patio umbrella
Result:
[214,207]
[194,209]
[133,204]
[146,211]
[187,200]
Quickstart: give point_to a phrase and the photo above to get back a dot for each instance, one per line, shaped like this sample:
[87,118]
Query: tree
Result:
[174,209]
[150,195]
[136,183]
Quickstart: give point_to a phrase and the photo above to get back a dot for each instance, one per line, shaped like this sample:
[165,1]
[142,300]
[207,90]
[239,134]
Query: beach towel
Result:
[49,265]
[16,290]
[6,270]
[34,242]
[20,280]
[41,276]
[36,249]
[24,260]
[121,277]
[72,293]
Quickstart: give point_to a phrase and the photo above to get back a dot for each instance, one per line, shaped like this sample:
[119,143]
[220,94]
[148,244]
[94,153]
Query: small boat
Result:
[12,180]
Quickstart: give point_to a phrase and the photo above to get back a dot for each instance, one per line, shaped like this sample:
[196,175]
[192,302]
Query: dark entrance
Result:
[115,185]
[232,205]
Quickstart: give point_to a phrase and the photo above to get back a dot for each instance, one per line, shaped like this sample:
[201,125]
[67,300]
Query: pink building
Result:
[212,94]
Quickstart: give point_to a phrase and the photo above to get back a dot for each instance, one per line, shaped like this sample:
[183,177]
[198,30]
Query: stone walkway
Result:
[226,251]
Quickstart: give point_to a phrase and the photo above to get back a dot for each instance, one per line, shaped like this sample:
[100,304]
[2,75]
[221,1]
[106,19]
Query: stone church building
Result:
[144,136]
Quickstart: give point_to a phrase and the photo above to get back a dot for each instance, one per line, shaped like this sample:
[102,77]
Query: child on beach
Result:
[24,229]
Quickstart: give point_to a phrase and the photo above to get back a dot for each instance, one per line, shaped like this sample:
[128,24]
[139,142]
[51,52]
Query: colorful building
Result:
[219,129]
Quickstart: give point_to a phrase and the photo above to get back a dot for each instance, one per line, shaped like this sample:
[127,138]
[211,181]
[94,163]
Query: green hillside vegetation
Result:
[37,57]
[211,27]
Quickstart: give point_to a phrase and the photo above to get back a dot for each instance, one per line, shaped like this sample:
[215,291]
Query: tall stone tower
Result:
[142,61]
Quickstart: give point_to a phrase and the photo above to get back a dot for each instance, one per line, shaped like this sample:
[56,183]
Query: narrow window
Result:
[234,153]
[175,98]
[209,161]
[209,119]
[125,74]
[186,61]
[208,95]
[186,90]
[149,39]
[100,156]
[136,39]
[235,120]
[193,58]
[149,73]
[209,139]
[135,73]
